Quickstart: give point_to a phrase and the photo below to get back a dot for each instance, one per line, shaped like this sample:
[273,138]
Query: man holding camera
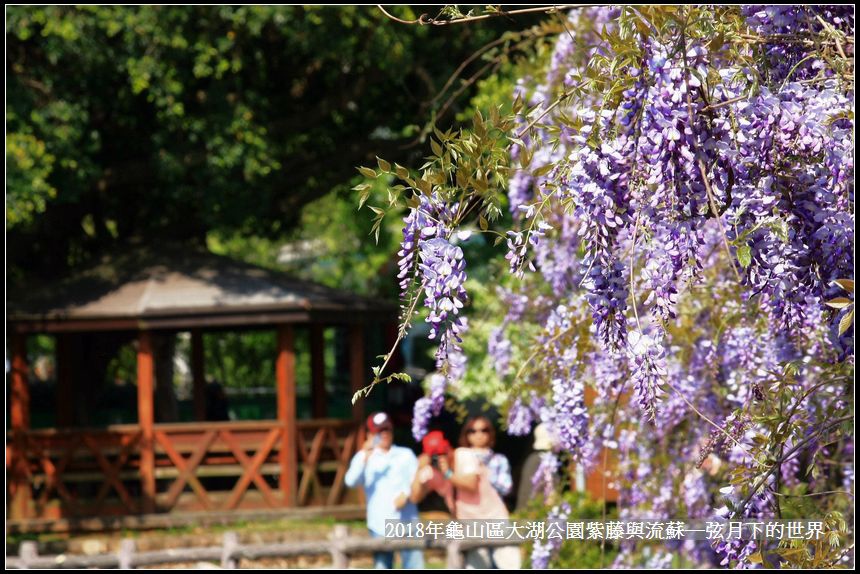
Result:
[385,471]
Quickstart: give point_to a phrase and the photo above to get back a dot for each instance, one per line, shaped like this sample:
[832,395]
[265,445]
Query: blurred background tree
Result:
[214,125]
[238,129]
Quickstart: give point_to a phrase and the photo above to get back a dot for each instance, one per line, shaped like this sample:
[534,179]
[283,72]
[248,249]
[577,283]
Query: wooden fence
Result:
[339,546]
[213,467]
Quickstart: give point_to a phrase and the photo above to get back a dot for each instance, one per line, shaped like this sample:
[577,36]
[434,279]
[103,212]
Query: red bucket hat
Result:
[434,443]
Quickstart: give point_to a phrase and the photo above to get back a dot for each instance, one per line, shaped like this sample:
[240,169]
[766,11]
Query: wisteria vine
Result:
[681,184]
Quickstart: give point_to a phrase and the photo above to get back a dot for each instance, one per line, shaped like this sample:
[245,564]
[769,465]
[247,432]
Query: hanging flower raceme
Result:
[452,369]
[597,185]
[545,478]
[520,418]
[443,271]
[648,370]
[499,350]
[737,551]
[570,416]
[522,414]
[544,551]
[431,218]
[419,225]
[789,60]
[428,407]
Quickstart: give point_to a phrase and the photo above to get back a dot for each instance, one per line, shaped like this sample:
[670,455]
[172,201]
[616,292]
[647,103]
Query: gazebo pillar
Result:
[20,399]
[146,419]
[285,375]
[20,423]
[357,375]
[198,375]
[319,400]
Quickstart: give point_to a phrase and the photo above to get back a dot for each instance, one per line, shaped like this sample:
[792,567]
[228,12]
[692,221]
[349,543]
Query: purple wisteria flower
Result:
[444,274]
[499,351]
[545,479]
[430,219]
[737,551]
[544,551]
[571,417]
[523,413]
[422,412]
[648,370]
[716,193]
[430,406]
[520,418]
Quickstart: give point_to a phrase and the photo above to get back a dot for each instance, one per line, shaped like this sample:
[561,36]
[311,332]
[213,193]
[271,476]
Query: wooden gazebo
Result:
[149,468]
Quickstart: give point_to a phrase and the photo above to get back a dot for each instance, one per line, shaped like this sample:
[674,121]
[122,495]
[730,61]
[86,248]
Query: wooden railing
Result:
[340,546]
[211,466]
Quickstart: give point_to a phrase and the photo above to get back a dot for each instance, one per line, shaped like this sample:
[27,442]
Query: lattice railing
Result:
[212,466]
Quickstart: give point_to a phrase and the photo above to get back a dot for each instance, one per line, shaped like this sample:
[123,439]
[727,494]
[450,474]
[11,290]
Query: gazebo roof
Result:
[181,288]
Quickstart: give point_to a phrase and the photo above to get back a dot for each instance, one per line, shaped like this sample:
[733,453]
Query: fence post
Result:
[231,542]
[127,547]
[339,557]
[28,552]
[453,557]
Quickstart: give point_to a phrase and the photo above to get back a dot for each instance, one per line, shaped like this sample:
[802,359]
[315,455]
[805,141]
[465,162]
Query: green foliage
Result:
[581,554]
[466,162]
[28,166]
[826,552]
[345,257]
[124,365]
[241,360]
[329,245]
[152,122]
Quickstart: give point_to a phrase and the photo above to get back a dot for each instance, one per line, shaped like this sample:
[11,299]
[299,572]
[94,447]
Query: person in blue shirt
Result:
[386,472]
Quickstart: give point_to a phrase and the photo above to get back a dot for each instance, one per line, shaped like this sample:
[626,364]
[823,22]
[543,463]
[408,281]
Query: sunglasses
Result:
[474,430]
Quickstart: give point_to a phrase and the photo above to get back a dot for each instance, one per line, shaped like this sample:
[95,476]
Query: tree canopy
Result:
[151,123]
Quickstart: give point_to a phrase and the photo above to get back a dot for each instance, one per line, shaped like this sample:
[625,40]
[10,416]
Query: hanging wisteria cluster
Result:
[682,194]
[544,550]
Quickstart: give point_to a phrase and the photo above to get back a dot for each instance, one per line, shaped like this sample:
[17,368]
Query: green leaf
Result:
[437,149]
[543,170]
[384,166]
[846,322]
[838,302]
[755,558]
[847,284]
[744,256]
[367,172]
[363,198]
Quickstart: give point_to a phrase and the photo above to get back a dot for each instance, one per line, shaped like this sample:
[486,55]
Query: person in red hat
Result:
[435,469]
[385,470]
[472,486]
